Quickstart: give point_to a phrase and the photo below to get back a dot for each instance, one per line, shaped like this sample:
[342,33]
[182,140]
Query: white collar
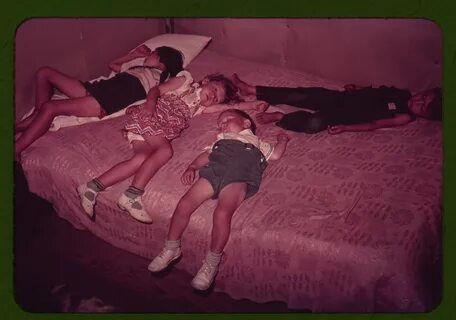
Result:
[247,131]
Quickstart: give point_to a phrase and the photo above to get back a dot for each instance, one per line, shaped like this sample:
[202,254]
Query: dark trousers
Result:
[318,99]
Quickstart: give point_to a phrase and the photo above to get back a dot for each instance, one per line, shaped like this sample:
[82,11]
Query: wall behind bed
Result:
[80,47]
[402,52]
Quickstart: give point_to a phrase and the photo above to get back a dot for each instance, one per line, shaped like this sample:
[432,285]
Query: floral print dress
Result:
[172,112]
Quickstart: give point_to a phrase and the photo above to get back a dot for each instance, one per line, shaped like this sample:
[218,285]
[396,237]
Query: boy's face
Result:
[153,60]
[232,122]
[420,103]
[212,92]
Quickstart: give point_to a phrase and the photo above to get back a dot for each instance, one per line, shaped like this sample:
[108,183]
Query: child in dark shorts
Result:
[99,98]
[230,171]
[354,109]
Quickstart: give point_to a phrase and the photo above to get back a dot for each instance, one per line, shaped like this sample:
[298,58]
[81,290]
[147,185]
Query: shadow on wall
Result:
[406,53]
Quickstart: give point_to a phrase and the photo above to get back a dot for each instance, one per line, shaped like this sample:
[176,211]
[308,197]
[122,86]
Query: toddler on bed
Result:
[99,98]
[230,170]
[150,129]
[354,109]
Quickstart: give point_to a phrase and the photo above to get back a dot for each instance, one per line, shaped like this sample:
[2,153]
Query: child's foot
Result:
[24,124]
[205,276]
[164,258]
[268,117]
[88,197]
[244,88]
[135,208]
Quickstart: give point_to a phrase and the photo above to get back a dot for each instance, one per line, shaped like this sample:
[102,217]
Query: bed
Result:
[343,223]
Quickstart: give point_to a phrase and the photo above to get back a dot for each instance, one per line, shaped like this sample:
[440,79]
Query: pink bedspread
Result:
[350,222]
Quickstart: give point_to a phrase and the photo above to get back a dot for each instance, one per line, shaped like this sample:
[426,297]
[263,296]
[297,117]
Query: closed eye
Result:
[217,95]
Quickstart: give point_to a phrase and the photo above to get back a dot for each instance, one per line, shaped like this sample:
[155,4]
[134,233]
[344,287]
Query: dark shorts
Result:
[234,161]
[117,92]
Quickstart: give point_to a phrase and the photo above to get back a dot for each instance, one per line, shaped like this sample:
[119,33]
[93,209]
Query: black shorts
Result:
[117,92]
[234,161]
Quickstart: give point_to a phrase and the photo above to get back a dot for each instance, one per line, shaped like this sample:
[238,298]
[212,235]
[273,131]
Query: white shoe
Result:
[164,258]
[135,208]
[88,198]
[205,276]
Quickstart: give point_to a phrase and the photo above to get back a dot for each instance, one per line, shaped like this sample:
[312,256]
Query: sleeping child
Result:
[354,109]
[230,170]
[151,127]
[99,98]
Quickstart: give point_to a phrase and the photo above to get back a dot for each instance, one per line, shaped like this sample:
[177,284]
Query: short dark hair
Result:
[244,115]
[436,105]
[173,60]
[231,91]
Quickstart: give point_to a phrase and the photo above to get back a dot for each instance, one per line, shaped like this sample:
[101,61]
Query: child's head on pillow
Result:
[172,59]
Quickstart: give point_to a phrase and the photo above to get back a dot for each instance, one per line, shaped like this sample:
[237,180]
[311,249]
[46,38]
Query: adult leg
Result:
[81,107]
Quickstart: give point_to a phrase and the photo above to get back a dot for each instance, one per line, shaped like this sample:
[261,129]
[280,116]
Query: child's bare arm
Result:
[141,51]
[257,105]
[151,100]
[279,149]
[157,91]
[398,120]
[190,173]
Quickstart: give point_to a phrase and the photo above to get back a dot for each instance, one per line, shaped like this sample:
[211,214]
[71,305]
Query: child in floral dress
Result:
[150,129]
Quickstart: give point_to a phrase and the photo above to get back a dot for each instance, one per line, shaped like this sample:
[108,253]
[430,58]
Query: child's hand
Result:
[146,109]
[336,129]
[188,176]
[143,50]
[261,106]
[282,137]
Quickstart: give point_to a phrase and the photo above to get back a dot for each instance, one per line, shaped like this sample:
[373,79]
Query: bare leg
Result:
[127,168]
[23,124]
[244,88]
[46,80]
[268,117]
[81,107]
[199,192]
[160,156]
[230,199]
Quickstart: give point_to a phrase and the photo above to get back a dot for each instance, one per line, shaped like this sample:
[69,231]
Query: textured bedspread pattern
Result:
[348,222]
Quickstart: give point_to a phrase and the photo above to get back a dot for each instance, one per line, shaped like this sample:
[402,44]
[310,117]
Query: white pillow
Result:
[189,44]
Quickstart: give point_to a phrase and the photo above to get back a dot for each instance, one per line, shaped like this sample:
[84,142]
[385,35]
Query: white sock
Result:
[172,244]
[213,258]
